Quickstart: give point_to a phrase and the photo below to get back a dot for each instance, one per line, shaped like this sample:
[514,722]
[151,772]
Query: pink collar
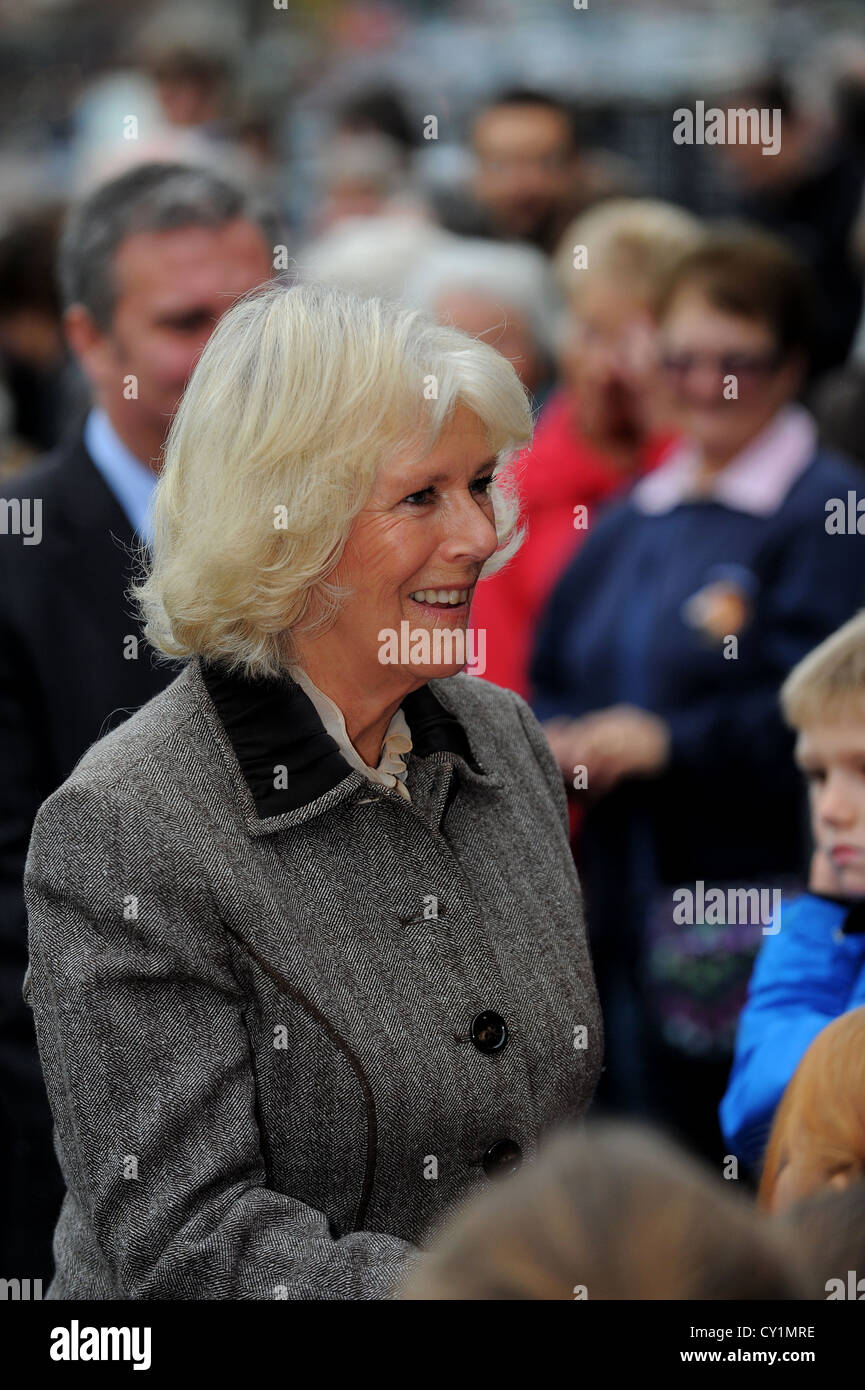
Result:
[756,480]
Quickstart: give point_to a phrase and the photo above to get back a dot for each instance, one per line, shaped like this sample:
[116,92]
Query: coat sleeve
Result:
[803,978]
[140,1022]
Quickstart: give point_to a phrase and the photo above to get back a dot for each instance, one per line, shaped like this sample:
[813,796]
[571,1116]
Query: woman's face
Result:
[413,559]
[605,359]
[501,325]
[721,373]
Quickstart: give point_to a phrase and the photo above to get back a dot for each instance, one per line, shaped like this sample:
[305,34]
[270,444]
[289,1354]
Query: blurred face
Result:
[704,351]
[171,289]
[503,328]
[526,167]
[187,100]
[350,198]
[832,759]
[605,359]
[414,555]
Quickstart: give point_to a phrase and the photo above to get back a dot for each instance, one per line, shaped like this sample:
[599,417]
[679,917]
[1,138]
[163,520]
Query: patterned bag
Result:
[701,942]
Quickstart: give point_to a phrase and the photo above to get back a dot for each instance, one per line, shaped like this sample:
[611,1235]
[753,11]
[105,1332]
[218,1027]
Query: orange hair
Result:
[823,1107]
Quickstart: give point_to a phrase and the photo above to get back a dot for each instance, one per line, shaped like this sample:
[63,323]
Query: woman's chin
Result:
[433,671]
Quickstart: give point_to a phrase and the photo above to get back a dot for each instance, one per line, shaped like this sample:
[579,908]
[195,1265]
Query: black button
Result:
[504,1156]
[489,1031]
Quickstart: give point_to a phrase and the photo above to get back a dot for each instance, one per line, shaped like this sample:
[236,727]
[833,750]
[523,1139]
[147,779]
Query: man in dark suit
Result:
[149,262]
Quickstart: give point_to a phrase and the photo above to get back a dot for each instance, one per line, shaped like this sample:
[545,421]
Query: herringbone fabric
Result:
[255,1032]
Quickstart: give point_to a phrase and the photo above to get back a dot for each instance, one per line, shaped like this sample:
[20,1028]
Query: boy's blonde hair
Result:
[299,398]
[832,674]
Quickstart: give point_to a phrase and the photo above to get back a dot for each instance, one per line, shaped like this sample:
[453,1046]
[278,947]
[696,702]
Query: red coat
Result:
[560,471]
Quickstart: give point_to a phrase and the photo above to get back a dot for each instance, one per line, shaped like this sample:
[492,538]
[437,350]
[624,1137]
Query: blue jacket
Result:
[809,973]
[617,630]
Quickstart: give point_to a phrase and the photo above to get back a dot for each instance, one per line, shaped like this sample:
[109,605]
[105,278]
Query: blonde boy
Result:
[814,968]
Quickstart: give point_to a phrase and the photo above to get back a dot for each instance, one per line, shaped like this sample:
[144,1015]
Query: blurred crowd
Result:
[696,365]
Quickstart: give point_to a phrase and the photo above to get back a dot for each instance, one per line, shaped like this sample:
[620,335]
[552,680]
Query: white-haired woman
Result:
[308,960]
[502,293]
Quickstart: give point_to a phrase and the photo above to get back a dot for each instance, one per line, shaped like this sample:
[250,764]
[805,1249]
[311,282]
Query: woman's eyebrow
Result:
[431,478]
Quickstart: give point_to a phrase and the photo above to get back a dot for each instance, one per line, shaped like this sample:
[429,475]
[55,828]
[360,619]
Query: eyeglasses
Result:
[746,367]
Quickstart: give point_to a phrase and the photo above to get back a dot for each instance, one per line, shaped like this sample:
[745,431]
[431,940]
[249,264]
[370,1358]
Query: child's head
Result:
[612,1211]
[823,698]
[818,1135]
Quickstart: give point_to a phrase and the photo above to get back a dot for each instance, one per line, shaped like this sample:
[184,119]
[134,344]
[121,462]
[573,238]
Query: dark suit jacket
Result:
[64,680]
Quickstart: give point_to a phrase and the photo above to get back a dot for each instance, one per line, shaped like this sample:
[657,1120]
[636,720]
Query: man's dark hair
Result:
[149,198]
[747,272]
[529,96]
[382,111]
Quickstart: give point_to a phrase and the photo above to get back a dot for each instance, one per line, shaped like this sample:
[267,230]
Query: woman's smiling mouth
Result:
[441,598]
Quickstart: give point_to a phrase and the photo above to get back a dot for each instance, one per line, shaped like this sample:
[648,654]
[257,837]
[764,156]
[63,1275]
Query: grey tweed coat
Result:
[286,1018]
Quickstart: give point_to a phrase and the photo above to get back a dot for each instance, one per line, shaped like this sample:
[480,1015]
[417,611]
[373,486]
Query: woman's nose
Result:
[470,531]
[704,384]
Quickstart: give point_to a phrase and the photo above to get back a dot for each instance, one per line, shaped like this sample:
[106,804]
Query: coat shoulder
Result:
[154,733]
[473,697]
[500,724]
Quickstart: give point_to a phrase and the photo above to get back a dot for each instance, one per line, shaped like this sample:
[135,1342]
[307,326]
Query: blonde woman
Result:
[307,954]
[596,433]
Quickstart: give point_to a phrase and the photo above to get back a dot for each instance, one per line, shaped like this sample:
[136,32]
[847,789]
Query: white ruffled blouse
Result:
[391,770]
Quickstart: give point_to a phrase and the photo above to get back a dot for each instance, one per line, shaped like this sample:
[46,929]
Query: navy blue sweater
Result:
[729,805]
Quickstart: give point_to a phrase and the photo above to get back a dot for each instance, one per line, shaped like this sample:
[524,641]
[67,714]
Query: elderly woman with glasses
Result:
[307,955]
[658,664]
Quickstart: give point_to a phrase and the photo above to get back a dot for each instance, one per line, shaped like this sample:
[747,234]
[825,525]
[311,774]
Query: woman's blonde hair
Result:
[831,675]
[298,399]
[632,240]
[823,1108]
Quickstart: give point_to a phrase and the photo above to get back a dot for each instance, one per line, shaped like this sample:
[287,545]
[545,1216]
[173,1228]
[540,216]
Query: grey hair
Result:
[512,275]
[155,197]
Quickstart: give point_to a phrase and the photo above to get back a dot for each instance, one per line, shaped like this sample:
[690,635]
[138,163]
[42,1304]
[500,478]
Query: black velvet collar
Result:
[273,723]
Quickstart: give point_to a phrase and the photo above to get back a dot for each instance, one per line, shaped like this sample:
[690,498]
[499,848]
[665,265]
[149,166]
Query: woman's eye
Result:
[480,487]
